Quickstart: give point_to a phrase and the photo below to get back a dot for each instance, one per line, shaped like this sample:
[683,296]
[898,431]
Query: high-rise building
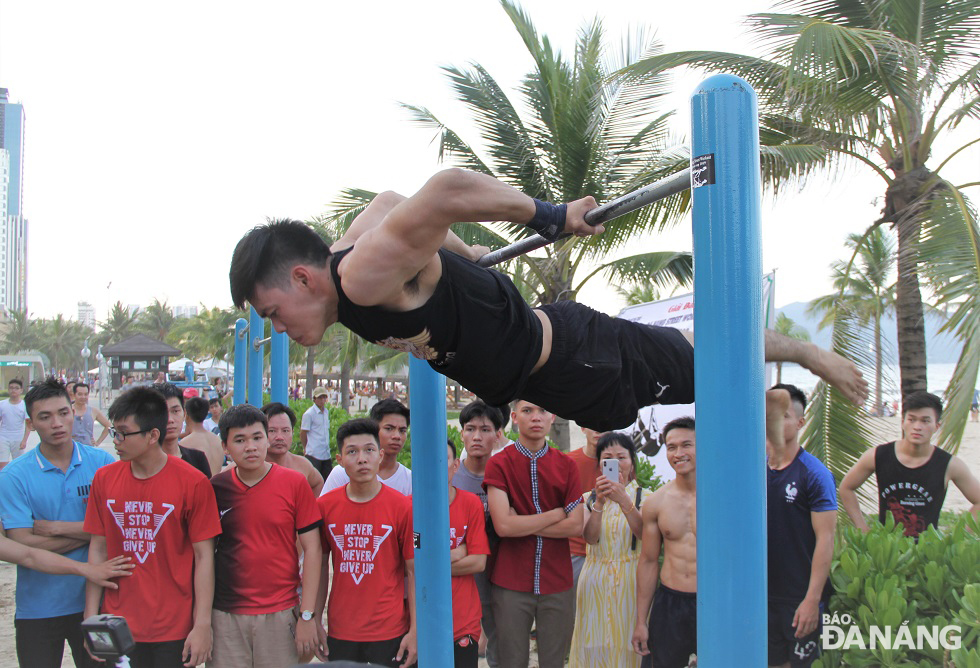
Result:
[86,314]
[13,224]
[185,311]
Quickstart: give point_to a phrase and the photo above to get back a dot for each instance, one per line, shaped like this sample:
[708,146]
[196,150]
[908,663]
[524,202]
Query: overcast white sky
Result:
[158,133]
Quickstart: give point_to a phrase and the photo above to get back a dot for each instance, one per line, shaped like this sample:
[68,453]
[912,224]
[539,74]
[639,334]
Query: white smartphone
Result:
[610,469]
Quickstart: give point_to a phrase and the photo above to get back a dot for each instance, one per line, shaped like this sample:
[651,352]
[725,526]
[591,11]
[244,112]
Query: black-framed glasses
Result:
[120,436]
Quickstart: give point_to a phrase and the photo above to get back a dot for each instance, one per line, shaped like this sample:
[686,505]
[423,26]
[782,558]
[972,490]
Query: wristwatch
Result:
[306,615]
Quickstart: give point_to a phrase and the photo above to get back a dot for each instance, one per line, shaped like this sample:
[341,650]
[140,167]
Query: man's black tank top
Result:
[913,496]
[476,328]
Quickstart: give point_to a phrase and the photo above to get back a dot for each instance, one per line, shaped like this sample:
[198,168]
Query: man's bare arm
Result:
[104,421]
[647,571]
[414,230]
[514,526]
[58,528]
[806,617]
[861,471]
[59,544]
[966,482]
[570,526]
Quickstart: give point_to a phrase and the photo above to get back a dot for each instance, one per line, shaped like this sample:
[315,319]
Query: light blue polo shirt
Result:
[32,488]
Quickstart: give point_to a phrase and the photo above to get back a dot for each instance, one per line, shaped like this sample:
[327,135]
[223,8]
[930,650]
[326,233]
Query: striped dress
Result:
[606,596]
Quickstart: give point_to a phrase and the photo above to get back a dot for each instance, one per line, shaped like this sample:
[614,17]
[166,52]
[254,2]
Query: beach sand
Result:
[888,430]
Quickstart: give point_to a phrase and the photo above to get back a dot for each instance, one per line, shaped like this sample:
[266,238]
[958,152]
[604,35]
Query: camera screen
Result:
[101,641]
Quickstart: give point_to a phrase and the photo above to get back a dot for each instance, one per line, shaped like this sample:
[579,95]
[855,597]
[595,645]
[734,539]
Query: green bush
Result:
[885,579]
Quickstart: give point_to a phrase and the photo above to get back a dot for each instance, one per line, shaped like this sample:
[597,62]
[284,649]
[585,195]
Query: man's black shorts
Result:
[673,630]
[602,370]
[783,644]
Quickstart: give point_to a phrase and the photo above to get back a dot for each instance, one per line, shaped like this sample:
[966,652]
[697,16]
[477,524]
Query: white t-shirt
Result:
[400,481]
[12,419]
[317,425]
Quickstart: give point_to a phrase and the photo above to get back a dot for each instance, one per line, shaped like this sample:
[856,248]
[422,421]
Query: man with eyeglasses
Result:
[160,511]
[43,497]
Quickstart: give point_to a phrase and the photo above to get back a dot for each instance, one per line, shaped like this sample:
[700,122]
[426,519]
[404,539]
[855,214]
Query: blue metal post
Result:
[430,509]
[256,361]
[241,361]
[279,367]
[728,374]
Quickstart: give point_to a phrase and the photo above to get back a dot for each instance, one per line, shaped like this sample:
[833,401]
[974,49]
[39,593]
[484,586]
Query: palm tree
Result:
[120,325]
[786,326]
[865,289]
[62,340]
[19,333]
[642,292]
[569,132]
[882,84]
[208,334]
[156,319]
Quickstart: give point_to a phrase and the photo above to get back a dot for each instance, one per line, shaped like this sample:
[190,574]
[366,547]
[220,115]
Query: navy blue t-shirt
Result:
[805,486]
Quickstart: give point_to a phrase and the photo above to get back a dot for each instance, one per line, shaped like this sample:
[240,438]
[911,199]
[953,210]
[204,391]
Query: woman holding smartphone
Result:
[606,596]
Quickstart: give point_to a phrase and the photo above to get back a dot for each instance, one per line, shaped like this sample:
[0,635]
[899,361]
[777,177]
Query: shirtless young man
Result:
[199,437]
[471,324]
[282,419]
[670,519]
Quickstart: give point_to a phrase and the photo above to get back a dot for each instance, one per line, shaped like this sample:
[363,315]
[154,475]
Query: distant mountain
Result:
[940,348]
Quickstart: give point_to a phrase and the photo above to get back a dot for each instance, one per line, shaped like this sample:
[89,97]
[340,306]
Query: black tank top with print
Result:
[913,496]
[476,328]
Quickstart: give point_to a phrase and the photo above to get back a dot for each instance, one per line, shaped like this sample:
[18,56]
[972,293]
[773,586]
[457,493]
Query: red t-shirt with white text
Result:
[155,521]
[256,563]
[467,525]
[369,544]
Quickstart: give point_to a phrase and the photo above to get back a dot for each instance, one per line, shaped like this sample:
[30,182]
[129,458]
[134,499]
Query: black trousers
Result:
[157,655]
[41,642]
[322,466]
[380,652]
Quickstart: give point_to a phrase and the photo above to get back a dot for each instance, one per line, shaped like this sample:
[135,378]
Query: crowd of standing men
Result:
[227,549]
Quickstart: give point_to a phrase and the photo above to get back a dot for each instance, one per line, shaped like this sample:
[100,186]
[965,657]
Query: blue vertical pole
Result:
[256,332]
[241,361]
[279,367]
[430,510]
[728,374]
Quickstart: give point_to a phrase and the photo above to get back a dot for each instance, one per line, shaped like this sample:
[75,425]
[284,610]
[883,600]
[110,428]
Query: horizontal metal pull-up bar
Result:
[665,187]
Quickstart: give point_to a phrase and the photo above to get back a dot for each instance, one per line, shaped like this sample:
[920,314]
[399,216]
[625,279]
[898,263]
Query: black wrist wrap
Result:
[549,219]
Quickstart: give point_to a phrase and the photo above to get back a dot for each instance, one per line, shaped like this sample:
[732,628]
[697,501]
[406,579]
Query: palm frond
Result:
[451,145]
[664,269]
[949,257]
[837,432]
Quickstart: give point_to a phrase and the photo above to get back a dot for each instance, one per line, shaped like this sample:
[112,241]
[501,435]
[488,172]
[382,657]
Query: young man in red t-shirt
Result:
[532,572]
[469,548]
[161,511]
[263,507]
[367,530]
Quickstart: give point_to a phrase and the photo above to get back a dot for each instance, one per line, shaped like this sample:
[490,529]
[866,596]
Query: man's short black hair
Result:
[169,391]
[452,449]
[919,400]
[146,406]
[239,417]
[85,385]
[390,407]
[796,395]
[478,409]
[355,428]
[15,381]
[214,400]
[197,409]
[274,408]
[49,388]
[686,422]
[267,253]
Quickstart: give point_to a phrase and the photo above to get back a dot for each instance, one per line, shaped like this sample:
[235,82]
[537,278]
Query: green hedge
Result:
[885,579]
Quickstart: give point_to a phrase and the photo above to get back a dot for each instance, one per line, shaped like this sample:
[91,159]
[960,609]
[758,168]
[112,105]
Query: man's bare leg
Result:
[777,403]
[831,367]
